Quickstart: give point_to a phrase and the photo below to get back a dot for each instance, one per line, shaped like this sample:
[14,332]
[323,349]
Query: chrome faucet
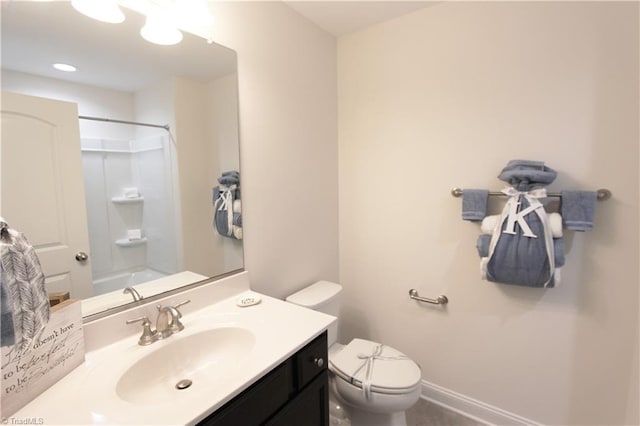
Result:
[134,293]
[167,323]
[164,321]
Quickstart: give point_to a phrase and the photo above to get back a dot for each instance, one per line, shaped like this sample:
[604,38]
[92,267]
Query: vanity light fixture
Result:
[65,67]
[159,28]
[102,10]
[163,16]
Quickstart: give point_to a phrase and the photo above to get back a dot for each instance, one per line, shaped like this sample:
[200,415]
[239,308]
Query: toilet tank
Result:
[322,296]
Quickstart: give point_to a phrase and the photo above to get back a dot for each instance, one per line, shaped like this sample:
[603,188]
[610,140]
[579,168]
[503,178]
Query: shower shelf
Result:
[131,243]
[124,200]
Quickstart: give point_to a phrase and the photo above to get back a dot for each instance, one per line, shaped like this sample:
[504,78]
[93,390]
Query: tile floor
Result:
[426,413]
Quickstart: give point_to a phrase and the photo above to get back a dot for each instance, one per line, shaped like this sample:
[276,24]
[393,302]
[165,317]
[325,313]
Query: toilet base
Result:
[343,413]
[337,413]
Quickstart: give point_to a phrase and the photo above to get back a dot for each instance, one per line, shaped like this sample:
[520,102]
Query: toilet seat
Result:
[391,372]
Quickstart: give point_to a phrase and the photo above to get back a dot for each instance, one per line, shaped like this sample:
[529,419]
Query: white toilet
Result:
[392,381]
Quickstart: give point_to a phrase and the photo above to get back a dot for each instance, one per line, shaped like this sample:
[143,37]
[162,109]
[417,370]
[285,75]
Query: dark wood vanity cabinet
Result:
[296,393]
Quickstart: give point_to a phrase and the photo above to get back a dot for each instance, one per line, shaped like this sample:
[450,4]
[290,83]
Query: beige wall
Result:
[445,97]
[288,151]
[196,154]
[223,128]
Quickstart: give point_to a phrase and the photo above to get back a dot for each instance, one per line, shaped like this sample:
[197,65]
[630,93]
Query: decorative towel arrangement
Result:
[524,244]
[228,206]
[25,304]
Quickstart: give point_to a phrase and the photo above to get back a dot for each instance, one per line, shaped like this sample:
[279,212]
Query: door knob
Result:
[81,256]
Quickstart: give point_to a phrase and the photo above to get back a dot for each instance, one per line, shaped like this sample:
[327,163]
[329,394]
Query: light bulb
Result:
[160,29]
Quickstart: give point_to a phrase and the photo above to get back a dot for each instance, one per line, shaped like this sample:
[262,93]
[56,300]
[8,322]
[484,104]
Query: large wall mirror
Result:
[119,160]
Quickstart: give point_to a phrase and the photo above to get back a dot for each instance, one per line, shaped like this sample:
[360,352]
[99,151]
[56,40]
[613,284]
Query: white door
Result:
[42,189]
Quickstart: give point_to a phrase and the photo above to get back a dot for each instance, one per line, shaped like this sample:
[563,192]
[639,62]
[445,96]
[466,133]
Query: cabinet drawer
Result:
[311,360]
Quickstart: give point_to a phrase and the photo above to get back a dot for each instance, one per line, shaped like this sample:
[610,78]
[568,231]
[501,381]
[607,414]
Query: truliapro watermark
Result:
[22,420]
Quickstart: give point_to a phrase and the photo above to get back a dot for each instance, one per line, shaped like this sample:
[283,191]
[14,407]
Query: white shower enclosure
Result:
[129,186]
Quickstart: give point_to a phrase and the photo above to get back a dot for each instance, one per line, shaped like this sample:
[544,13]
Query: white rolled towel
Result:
[134,234]
[237,232]
[237,206]
[555,221]
[489,223]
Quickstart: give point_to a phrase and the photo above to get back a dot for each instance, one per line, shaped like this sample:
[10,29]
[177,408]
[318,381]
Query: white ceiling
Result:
[35,35]
[339,17]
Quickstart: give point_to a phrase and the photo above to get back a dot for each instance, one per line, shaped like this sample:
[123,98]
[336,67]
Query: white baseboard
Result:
[470,407]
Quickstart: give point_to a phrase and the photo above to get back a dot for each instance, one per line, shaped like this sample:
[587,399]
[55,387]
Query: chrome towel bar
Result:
[602,194]
[441,300]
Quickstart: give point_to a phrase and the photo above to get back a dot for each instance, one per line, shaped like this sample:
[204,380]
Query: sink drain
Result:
[183,384]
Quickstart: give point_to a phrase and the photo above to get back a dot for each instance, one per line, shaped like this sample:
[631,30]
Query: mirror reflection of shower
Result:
[131,190]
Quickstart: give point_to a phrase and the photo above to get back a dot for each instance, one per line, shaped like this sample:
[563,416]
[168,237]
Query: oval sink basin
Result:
[186,364]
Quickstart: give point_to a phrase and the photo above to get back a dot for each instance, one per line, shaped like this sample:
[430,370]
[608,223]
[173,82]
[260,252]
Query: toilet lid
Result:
[389,369]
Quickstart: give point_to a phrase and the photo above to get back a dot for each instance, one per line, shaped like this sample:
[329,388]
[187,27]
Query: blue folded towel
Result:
[578,209]
[229,178]
[484,240]
[525,175]
[482,245]
[474,204]
[558,252]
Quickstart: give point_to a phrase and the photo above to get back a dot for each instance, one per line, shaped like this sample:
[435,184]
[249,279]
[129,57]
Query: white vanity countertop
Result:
[88,394]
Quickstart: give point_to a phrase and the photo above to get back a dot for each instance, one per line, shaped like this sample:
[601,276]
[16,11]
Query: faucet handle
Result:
[182,303]
[148,336]
[176,325]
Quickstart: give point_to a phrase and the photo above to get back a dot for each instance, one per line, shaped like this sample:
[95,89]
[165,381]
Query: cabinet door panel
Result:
[296,393]
[257,403]
[309,408]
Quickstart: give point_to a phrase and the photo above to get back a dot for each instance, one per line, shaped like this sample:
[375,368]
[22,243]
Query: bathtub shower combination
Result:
[129,195]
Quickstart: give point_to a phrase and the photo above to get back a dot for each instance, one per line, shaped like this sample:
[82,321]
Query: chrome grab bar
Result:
[441,300]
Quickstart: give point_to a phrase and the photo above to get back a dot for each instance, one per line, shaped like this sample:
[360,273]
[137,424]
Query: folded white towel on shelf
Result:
[134,234]
[131,192]
[489,223]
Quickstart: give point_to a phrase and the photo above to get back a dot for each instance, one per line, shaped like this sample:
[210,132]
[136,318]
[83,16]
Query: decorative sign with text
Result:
[57,350]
